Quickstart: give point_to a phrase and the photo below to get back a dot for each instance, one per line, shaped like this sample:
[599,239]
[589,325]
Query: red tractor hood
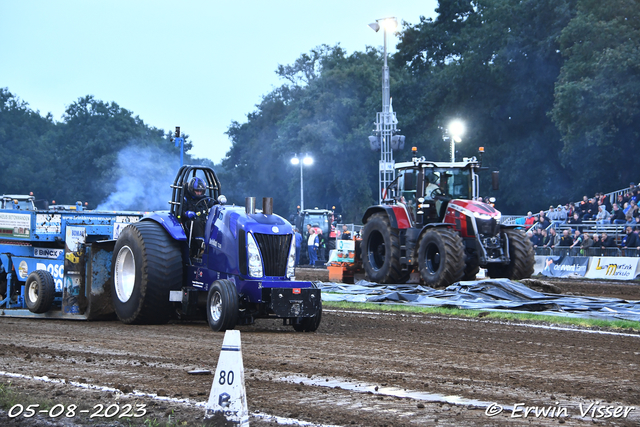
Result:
[471,207]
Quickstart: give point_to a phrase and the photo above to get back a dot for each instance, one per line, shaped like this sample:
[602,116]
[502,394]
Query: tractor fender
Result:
[432,226]
[169,223]
[397,214]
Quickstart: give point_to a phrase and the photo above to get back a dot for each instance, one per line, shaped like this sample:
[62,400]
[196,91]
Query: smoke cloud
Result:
[144,176]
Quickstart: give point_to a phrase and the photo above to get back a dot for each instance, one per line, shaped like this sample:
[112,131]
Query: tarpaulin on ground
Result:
[491,294]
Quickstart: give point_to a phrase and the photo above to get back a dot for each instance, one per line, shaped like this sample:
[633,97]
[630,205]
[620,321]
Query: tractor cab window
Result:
[316,220]
[450,183]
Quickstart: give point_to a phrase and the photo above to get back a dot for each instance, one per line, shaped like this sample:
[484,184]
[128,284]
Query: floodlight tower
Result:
[386,120]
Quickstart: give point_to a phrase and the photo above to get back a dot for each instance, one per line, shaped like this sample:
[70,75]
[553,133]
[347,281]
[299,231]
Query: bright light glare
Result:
[456,129]
[390,24]
[295,161]
[307,161]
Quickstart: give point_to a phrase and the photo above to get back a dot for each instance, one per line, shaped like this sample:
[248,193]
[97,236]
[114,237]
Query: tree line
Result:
[549,88]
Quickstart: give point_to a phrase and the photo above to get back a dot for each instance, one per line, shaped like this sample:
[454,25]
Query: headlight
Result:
[482,216]
[255,260]
[291,264]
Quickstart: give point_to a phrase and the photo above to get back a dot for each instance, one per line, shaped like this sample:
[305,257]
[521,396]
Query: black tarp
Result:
[491,294]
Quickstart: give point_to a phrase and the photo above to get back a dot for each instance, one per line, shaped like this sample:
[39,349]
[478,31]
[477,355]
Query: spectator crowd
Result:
[596,210]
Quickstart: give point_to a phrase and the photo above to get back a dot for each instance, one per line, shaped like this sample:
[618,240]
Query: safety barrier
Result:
[590,267]
[589,252]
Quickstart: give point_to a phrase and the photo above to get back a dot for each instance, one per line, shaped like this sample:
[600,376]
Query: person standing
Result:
[566,239]
[312,244]
[587,242]
[607,242]
[552,239]
[346,234]
[298,237]
[577,242]
[632,242]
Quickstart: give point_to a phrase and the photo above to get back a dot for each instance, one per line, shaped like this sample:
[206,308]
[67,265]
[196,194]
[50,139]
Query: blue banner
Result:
[563,266]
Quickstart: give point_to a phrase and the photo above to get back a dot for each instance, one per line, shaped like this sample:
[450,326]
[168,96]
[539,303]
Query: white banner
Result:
[15,225]
[48,223]
[617,268]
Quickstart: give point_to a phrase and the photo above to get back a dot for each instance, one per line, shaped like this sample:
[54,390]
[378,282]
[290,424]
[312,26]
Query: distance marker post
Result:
[228,396]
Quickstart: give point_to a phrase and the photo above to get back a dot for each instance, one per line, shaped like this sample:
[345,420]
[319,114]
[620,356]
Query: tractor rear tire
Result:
[222,305]
[381,251]
[522,258]
[309,324]
[39,291]
[441,258]
[147,264]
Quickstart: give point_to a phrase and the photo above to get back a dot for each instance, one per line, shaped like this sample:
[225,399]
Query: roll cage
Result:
[179,187]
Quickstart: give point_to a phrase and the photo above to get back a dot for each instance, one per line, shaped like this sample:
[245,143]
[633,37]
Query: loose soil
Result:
[479,359]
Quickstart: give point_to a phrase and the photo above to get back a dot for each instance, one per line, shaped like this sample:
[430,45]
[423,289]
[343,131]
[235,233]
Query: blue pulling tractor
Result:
[151,268]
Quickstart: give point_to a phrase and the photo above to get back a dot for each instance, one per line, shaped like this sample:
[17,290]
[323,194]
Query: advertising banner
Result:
[617,268]
[563,266]
[15,225]
[48,223]
[344,251]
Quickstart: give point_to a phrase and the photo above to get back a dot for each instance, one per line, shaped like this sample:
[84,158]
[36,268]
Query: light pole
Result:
[386,120]
[306,161]
[456,130]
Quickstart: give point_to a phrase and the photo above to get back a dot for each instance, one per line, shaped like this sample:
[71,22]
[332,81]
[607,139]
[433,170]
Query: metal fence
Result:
[590,252]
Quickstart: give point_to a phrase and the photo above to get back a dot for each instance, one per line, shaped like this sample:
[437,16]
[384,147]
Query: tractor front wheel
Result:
[522,258]
[222,305]
[441,258]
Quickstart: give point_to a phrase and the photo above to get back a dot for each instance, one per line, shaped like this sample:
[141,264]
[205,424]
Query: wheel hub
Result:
[376,251]
[432,257]
[33,291]
[125,274]
[215,308]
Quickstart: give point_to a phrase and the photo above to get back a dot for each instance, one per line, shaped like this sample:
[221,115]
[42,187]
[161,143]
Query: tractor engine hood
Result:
[473,208]
[235,219]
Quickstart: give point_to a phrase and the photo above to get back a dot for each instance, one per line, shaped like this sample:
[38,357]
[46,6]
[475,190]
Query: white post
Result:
[453,149]
[301,186]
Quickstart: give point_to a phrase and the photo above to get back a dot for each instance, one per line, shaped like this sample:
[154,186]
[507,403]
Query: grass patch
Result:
[498,315]
[10,397]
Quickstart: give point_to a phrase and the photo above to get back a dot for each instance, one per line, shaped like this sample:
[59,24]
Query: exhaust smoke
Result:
[142,176]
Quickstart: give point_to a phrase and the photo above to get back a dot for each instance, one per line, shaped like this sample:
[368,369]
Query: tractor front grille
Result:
[275,253]
[488,227]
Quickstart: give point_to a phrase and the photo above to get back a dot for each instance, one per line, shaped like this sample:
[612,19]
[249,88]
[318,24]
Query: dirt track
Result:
[472,359]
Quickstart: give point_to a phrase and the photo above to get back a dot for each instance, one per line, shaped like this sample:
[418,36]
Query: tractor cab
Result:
[17,202]
[191,210]
[426,188]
